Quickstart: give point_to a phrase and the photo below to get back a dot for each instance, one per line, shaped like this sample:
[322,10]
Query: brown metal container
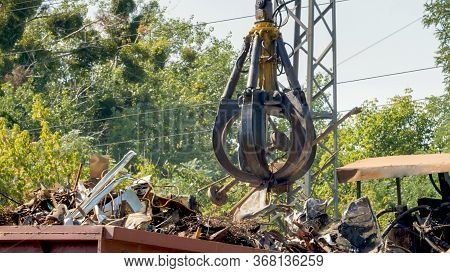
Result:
[102,239]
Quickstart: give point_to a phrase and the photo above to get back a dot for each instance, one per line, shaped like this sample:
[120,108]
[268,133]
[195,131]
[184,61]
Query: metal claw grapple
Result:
[260,102]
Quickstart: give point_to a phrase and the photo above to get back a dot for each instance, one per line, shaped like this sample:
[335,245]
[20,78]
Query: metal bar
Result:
[318,64]
[324,147]
[110,175]
[254,63]
[305,33]
[328,103]
[227,187]
[325,166]
[322,115]
[335,124]
[104,186]
[10,199]
[358,189]
[297,42]
[322,16]
[236,73]
[325,52]
[335,113]
[238,204]
[90,202]
[297,19]
[322,90]
[310,78]
[399,190]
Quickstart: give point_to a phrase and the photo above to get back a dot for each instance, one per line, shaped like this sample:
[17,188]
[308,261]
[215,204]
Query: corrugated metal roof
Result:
[394,166]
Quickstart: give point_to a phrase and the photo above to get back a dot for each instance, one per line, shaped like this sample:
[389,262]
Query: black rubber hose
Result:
[383,212]
[278,9]
[434,184]
[401,216]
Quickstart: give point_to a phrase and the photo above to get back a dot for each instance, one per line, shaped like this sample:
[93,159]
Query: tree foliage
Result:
[28,164]
[403,126]
[127,77]
[437,15]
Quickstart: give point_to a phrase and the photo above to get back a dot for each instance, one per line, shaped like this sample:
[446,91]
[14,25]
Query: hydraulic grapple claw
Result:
[258,104]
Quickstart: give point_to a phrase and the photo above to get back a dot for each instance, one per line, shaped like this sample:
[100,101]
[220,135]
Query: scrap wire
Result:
[9,198]
[428,239]
[213,183]
[172,199]
[77,178]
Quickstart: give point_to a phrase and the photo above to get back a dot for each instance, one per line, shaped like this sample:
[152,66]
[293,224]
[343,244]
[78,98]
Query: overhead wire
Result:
[34,7]
[249,16]
[389,75]
[151,138]
[389,104]
[209,131]
[194,25]
[126,116]
[380,40]
[211,103]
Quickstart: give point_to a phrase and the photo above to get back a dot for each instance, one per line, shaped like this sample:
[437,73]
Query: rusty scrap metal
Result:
[310,229]
[360,227]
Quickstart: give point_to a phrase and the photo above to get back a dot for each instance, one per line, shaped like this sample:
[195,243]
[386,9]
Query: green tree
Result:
[127,77]
[28,164]
[401,127]
[100,74]
[438,109]
[437,15]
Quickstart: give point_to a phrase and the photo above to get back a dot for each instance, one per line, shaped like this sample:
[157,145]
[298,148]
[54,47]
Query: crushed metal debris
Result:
[425,228]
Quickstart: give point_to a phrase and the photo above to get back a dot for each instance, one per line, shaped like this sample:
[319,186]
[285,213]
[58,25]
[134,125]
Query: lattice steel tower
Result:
[315,52]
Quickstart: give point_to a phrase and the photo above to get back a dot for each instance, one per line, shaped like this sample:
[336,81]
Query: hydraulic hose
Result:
[401,216]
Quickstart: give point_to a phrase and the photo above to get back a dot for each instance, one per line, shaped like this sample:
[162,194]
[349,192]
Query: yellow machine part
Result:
[267,62]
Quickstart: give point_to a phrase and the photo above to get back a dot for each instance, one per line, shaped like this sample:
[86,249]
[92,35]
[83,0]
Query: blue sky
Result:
[360,23]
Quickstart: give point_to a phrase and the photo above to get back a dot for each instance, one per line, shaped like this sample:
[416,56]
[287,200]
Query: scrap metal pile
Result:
[310,230]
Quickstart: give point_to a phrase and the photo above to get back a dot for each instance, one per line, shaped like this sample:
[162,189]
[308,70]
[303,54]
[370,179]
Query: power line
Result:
[388,104]
[381,40]
[252,16]
[151,138]
[211,103]
[389,75]
[127,115]
[194,25]
[209,131]
[34,7]
[224,20]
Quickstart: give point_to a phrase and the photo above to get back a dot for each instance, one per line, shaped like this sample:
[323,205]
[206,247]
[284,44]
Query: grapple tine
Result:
[252,135]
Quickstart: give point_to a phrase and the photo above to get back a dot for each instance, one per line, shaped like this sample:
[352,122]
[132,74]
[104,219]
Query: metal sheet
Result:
[104,186]
[129,196]
[359,226]
[394,166]
[253,205]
